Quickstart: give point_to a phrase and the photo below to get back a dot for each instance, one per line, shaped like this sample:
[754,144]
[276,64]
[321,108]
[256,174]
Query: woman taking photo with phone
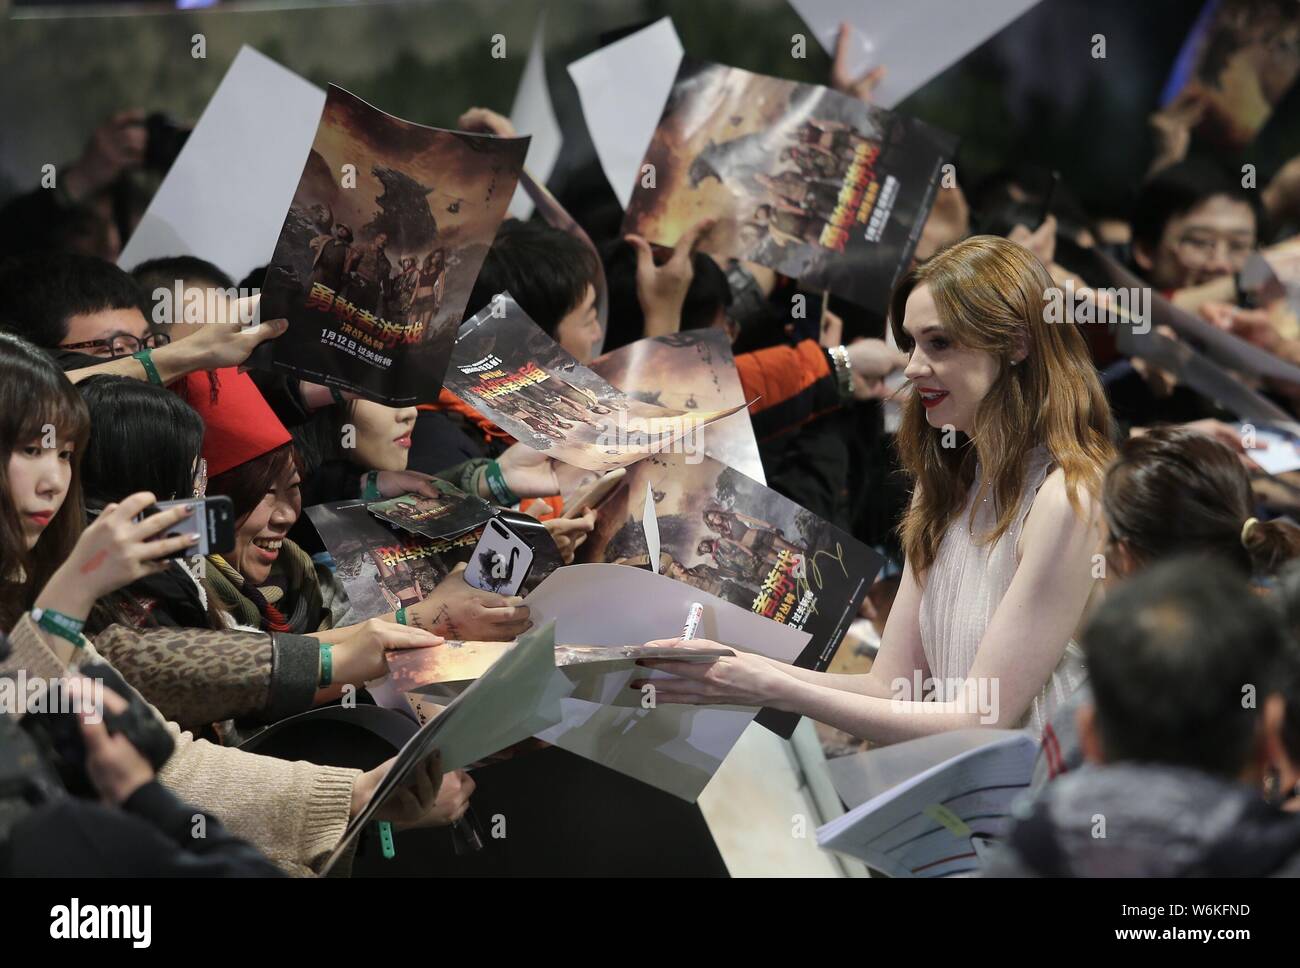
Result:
[54,575]
[1006,434]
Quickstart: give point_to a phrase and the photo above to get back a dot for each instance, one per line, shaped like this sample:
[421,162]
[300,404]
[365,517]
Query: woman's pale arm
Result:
[900,657]
[1021,647]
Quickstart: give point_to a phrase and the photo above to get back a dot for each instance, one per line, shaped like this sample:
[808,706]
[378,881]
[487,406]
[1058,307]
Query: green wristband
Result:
[400,617]
[370,489]
[326,664]
[386,844]
[145,356]
[64,626]
[496,482]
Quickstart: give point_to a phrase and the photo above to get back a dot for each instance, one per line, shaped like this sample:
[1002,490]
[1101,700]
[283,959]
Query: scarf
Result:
[288,601]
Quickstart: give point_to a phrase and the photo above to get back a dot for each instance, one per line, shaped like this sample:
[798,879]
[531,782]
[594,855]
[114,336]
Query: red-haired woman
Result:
[1006,435]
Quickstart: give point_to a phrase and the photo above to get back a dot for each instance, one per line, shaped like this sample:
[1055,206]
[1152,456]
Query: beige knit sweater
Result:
[295,813]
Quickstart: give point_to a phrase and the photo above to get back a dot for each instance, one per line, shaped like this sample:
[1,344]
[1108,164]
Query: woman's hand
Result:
[360,651]
[569,533]
[486,121]
[871,360]
[661,289]
[453,799]
[223,342]
[743,679]
[114,551]
[397,483]
[115,767]
[459,611]
[427,799]
[528,472]
[863,88]
[1253,325]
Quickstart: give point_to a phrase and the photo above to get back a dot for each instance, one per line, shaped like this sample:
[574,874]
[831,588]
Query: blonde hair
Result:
[991,295]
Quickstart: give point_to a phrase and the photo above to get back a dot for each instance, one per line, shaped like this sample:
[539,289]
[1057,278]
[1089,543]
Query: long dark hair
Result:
[34,396]
[252,480]
[143,438]
[1173,491]
[319,439]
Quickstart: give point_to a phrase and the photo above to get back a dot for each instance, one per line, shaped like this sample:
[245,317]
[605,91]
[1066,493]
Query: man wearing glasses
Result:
[87,313]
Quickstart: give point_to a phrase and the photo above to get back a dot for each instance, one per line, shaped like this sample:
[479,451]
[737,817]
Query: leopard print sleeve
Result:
[194,676]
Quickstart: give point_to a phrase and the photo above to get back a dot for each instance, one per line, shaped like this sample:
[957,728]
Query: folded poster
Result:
[691,370]
[1238,62]
[509,370]
[380,249]
[812,183]
[383,568]
[732,537]
[451,513]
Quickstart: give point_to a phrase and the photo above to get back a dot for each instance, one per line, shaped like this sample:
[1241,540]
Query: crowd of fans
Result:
[1080,526]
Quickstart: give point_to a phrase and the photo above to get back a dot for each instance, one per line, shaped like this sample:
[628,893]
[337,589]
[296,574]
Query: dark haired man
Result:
[1185,662]
[87,313]
[1193,224]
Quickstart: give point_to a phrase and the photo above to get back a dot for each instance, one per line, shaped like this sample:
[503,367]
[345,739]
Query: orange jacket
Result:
[794,384]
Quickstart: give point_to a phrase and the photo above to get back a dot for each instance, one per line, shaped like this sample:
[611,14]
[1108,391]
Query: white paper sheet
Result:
[533,114]
[623,89]
[513,699]
[915,40]
[1274,451]
[672,747]
[225,197]
[650,524]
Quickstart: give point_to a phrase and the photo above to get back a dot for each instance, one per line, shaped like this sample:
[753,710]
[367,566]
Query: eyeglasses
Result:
[1195,248]
[119,344]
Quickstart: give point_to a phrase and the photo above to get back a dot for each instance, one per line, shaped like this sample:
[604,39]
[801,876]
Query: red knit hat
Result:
[240,424]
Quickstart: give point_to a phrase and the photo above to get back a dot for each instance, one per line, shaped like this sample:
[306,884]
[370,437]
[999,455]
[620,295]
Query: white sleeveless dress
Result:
[965,585]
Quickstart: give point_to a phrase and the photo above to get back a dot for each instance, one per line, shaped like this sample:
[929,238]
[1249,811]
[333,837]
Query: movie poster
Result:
[810,182]
[509,370]
[380,250]
[1239,60]
[691,370]
[732,537]
[383,568]
[451,513]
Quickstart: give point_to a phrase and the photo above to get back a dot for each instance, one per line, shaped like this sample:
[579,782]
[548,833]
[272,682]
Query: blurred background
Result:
[1033,92]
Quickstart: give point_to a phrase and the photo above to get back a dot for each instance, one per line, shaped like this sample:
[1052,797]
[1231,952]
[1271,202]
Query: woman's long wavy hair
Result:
[991,295]
[34,396]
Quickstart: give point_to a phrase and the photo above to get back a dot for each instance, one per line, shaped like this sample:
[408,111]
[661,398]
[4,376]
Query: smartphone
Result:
[213,519]
[500,562]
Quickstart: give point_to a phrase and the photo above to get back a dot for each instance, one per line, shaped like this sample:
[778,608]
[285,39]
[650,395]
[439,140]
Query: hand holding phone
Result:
[213,521]
[500,562]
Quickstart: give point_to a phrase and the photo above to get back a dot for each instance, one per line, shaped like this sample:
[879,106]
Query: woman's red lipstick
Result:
[931,397]
[41,517]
